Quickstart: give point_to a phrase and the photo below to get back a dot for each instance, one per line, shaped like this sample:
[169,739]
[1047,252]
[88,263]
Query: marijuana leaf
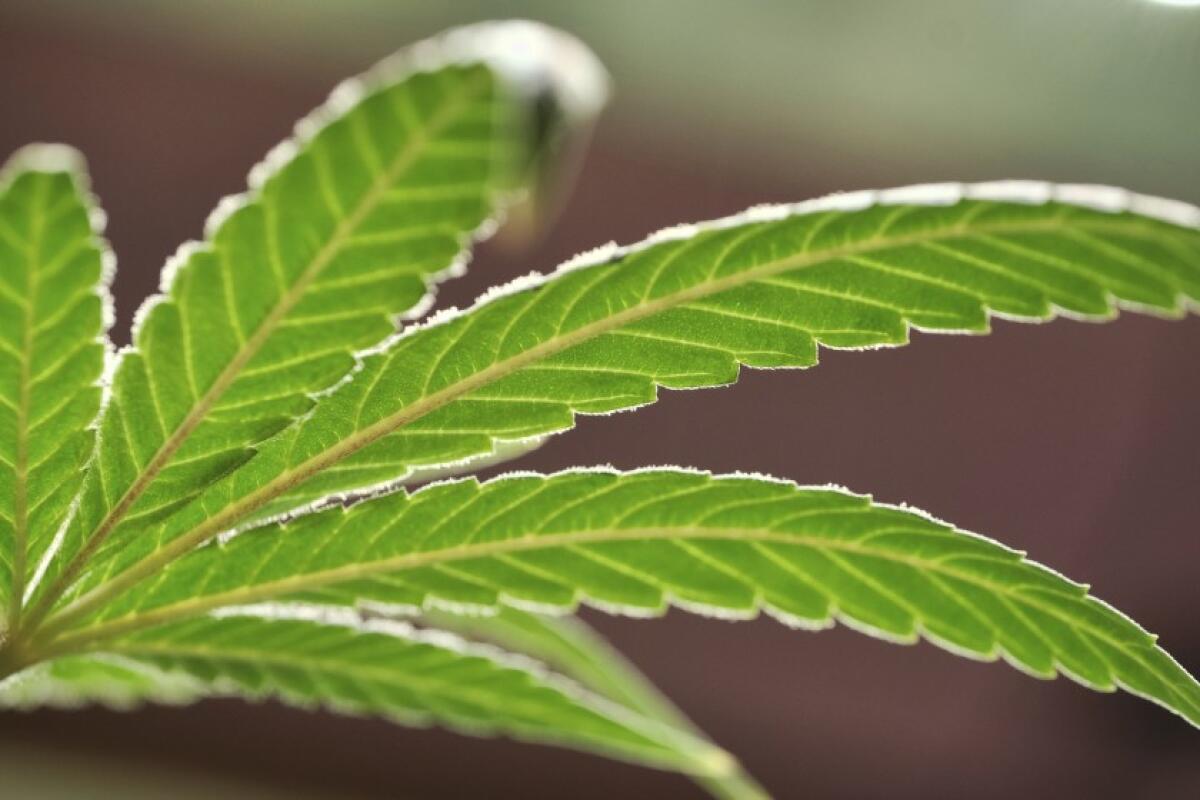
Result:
[724,546]
[566,644]
[241,524]
[114,681]
[381,668]
[569,646]
[52,320]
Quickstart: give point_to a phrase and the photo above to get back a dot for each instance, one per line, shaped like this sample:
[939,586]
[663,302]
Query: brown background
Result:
[1077,442]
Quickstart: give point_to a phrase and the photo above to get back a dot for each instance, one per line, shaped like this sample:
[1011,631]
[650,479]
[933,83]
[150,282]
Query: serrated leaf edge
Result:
[52,158]
[528,56]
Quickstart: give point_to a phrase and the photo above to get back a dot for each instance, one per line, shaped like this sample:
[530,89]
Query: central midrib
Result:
[415,560]
[252,345]
[238,510]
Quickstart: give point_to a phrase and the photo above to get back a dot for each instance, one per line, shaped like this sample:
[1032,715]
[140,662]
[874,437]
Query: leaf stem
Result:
[13,658]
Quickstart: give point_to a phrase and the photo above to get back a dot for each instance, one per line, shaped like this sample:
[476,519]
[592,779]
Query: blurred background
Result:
[1077,442]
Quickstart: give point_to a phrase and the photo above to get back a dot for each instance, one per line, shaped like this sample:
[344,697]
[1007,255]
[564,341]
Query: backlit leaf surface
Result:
[687,309]
[388,670]
[345,228]
[52,319]
[637,542]
[209,550]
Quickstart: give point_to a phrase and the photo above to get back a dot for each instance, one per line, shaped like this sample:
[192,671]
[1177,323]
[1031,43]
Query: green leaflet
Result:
[114,681]
[52,321]
[342,230]
[685,309]
[573,649]
[389,670]
[207,554]
[567,645]
[393,670]
[636,542]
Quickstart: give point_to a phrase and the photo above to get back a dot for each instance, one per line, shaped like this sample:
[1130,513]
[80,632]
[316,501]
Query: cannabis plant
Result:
[268,495]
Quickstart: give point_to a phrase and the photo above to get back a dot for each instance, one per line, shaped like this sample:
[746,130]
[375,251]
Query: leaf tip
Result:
[45,157]
[716,763]
[535,58]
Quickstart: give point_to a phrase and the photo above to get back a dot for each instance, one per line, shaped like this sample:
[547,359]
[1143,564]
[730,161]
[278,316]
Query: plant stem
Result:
[12,659]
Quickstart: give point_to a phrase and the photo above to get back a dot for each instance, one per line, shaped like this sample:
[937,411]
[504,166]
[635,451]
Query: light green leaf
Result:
[344,229]
[572,648]
[113,681]
[686,309]
[569,646]
[412,677]
[383,668]
[636,542]
[53,308]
